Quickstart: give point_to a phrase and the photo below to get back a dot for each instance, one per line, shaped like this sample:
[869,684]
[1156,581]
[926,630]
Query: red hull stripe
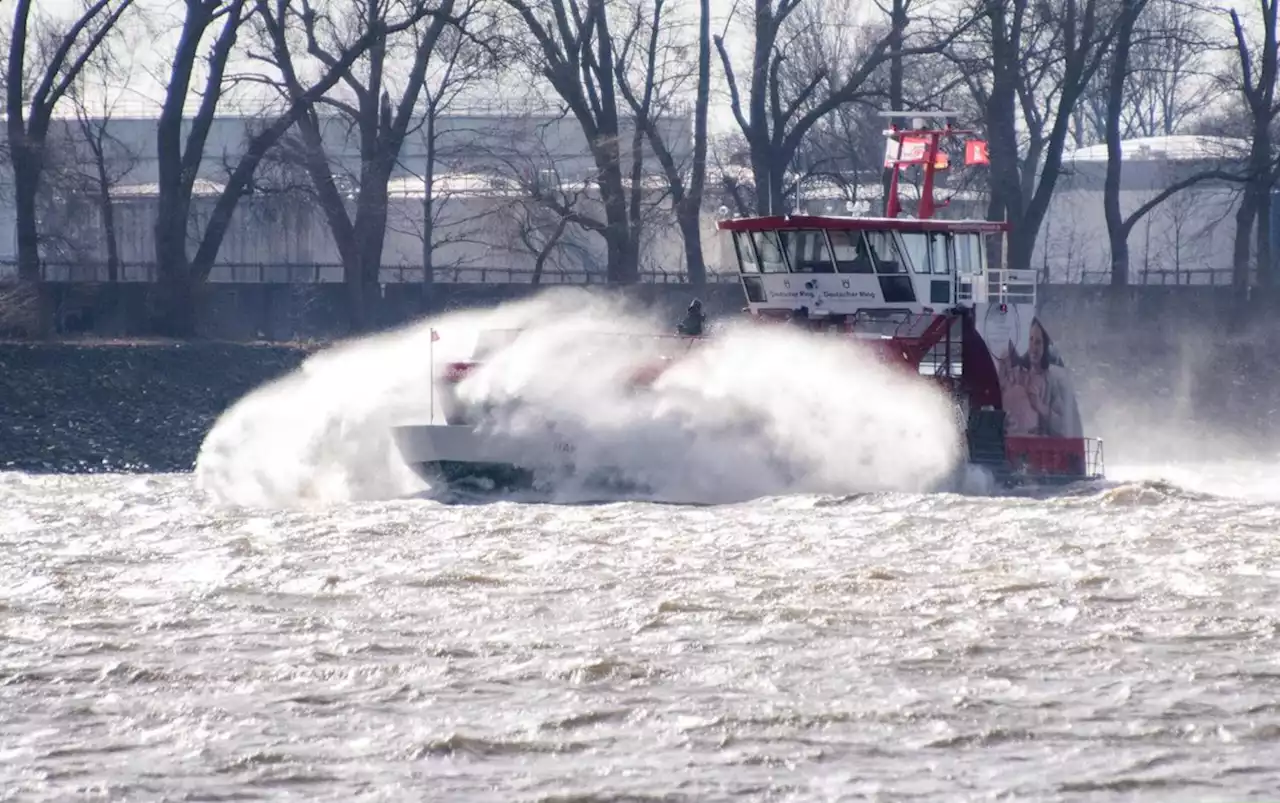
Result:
[1046,455]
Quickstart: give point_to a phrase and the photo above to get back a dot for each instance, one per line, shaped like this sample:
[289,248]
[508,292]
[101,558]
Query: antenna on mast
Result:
[924,141]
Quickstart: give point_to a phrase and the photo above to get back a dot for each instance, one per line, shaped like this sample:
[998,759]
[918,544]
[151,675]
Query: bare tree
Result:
[647,50]
[178,161]
[544,214]
[109,159]
[784,101]
[381,125]
[1030,63]
[1257,75]
[1117,231]
[572,47]
[465,59]
[540,229]
[730,173]
[29,105]
[1119,227]
[1168,81]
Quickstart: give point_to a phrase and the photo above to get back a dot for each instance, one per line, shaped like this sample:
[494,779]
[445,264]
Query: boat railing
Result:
[1009,286]
[1093,460]
[897,324]
[1000,286]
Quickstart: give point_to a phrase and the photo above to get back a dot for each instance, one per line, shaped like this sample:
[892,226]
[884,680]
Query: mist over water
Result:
[752,412]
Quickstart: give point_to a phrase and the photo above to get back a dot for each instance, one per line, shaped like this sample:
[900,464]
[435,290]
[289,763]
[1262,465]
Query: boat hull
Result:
[453,455]
[465,458]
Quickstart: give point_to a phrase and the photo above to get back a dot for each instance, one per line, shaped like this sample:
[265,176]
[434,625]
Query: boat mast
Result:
[932,137]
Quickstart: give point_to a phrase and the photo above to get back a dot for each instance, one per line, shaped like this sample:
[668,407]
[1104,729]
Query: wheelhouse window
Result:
[746,254]
[884,252]
[915,245]
[808,252]
[968,254]
[770,252]
[850,252]
[938,246]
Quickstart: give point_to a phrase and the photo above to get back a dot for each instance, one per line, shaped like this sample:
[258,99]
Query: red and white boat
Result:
[920,291]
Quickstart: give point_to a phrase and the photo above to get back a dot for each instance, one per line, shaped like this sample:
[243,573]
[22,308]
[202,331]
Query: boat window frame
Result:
[851,234]
[794,236]
[740,237]
[904,270]
[976,252]
[947,268]
[903,251]
[777,244]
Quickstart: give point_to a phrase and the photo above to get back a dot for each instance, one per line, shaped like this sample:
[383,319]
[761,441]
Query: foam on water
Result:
[753,412]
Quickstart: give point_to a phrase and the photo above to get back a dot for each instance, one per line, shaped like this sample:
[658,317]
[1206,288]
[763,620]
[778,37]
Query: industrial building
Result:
[483,225]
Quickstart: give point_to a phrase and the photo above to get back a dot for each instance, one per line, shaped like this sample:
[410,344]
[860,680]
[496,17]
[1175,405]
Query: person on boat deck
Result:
[694,319]
[801,318]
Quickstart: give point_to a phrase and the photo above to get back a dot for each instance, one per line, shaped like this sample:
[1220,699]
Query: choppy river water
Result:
[1118,644]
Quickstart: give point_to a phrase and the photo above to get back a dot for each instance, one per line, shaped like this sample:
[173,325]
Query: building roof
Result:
[148,189]
[1178,147]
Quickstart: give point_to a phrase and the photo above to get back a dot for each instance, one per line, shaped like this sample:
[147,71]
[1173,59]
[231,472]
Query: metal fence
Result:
[1199,277]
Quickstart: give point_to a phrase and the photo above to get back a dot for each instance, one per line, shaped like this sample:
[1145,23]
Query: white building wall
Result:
[280,239]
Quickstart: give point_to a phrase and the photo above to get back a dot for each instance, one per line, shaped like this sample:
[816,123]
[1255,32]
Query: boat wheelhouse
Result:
[929,293]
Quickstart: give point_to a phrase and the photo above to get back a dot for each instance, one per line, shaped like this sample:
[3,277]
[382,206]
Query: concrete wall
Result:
[477,237]
[1079,316]
[286,312]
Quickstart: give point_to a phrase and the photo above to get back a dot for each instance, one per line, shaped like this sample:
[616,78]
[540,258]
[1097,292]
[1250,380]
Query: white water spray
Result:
[755,411]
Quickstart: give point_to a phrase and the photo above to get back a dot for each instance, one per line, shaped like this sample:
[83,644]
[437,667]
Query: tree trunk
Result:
[370,230]
[106,207]
[1264,250]
[174,316]
[689,211]
[1119,260]
[1240,250]
[428,246]
[26,185]
[428,209]
[1117,232]
[1001,117]
[691,232]
[178,300]
[1022,246]
[762,172]
[622,266]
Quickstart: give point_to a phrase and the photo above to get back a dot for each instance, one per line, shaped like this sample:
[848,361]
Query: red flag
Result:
[434,335]
[914,152]
[975,152]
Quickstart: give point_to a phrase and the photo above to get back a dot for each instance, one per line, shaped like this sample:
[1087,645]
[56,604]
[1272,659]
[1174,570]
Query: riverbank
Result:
[111,406]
